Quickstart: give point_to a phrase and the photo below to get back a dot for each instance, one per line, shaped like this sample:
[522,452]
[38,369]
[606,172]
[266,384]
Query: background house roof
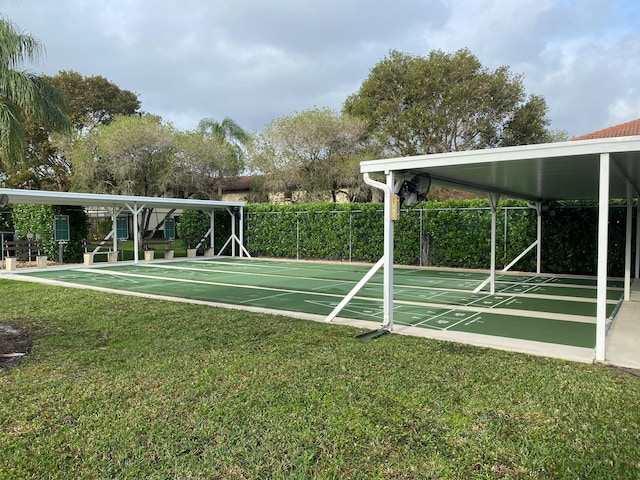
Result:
[626,129]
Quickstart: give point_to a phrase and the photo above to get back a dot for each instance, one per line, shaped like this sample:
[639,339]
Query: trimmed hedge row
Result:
[447,234]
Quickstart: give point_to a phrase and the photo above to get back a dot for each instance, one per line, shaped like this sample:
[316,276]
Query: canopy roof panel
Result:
[550,171]
[99,200]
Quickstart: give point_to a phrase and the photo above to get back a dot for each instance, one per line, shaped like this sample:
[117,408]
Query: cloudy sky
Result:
[256,60]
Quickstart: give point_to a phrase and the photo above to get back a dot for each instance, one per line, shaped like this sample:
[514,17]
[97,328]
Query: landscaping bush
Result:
[38,220]
[455,233]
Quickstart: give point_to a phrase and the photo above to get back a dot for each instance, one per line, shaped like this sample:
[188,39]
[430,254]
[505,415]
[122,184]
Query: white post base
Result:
[41,261]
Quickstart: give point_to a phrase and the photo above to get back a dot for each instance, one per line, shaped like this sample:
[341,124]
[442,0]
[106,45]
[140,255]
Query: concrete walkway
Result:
[623,339]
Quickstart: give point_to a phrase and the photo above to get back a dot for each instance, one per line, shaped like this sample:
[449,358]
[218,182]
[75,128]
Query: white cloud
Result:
[253,60]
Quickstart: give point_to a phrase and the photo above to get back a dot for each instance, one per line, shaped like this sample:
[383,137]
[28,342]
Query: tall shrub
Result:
[192,226]
[38,221]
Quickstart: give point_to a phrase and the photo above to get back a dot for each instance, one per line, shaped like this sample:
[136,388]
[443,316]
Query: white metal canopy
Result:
[550,171]
[134,204]
[598,169]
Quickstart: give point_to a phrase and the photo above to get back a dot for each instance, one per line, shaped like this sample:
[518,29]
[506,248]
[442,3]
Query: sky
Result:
[257,60]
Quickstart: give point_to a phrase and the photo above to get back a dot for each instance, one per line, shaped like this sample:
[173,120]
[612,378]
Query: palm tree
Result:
[227,130]
[23,95]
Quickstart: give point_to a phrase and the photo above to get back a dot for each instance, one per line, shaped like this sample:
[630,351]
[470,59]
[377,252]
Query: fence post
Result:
[506,219]
[350,235]
[297,235]
[420,243]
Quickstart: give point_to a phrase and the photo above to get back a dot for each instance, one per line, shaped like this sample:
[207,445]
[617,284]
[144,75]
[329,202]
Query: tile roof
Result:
[237,184]
[623,130]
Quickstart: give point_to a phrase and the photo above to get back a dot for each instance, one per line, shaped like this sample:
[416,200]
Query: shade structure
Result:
[134,204]
[597,170]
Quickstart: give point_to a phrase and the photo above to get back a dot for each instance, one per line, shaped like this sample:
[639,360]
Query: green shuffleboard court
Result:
[556,310]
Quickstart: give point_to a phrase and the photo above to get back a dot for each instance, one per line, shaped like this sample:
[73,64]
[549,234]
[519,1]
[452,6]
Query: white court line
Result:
[339,284]
[265,298]
[203,282]
[115,274]
[504,301]
[253,274]
[354,309]
[433,318]
[462,321]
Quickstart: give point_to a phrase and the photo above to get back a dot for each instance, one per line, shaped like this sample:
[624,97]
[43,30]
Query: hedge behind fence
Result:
[448,234]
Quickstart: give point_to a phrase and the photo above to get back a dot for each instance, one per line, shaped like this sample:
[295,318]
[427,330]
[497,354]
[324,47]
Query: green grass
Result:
[123,387]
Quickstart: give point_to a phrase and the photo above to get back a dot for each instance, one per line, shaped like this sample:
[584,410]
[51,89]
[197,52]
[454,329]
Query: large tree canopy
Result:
[313,152]
[23,96]
[133,155]
[445,102]
[93,100]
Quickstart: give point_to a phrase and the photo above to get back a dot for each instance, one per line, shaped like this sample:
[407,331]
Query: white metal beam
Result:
[354,291]
[627,244]
[539,237]
[493,200]
[522,254]
[603,235]
[242,231]
[387,257]
[212,229]
[135,211]
[637,275]
[387,322]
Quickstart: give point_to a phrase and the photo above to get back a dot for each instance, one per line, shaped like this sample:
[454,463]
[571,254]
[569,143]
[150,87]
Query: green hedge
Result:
[447,234]
[38,220]
[193,224]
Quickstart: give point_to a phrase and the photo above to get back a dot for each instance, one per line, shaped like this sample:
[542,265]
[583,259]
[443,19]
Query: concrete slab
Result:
[623,339]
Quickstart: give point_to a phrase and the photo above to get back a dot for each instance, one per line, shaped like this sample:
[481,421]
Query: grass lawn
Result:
[123,387]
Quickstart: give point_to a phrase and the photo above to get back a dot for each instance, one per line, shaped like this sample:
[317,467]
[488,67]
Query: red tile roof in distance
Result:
[623,130]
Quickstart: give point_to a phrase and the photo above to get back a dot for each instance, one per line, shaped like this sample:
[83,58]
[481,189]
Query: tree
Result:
[93,100]
[203,161]
[133,155]
[23,96]
[445,102]
[316,151]
[227,131]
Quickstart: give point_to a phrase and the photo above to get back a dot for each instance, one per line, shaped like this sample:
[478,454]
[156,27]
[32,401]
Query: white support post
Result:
[387,322]
[603,236]
[114,227]
[493,200]
[233,231]
[387,258]
[539,237]
[135,234]
[627,244]
[212,220]
[241,231]
[135,211]
[637,275]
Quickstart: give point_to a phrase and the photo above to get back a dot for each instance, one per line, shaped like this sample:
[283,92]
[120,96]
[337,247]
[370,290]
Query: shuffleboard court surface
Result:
[557,310]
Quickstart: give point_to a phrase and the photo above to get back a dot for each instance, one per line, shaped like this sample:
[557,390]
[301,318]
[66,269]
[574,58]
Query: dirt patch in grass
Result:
[15,343]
